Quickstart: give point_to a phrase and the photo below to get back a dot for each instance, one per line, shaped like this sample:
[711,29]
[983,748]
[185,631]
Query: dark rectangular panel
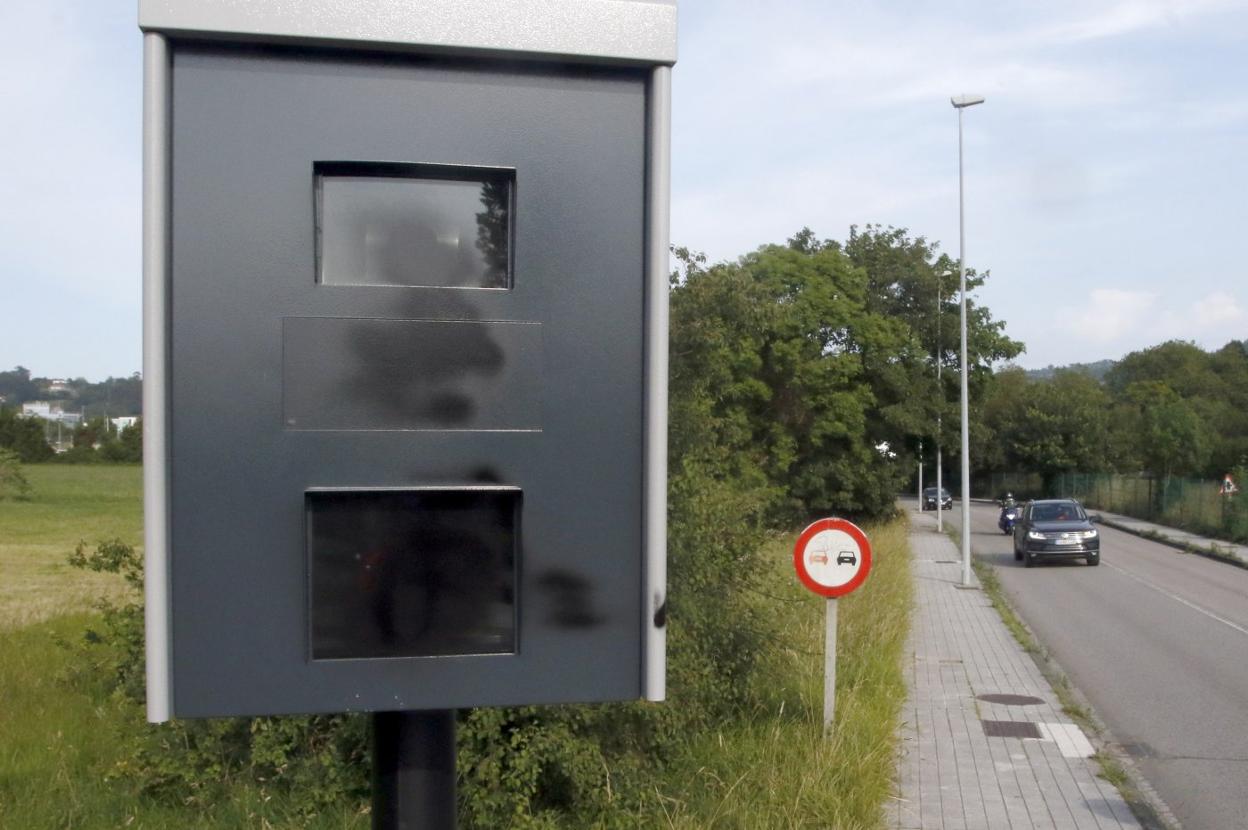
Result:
[1010,729]
[413,573]
[405,224]
[367,374]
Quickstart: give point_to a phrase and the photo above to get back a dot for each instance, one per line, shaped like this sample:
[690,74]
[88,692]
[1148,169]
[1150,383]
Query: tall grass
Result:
[63,738]
[772,767]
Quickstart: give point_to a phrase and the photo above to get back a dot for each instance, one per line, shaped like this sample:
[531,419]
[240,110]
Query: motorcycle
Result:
[1008,518]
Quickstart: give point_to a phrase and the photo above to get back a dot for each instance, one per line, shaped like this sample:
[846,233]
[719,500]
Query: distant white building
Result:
[124,422]
[50,411]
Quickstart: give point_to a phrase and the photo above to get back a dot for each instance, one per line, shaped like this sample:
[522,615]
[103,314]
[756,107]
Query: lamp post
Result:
[920,475]
[940,525]
[961,102]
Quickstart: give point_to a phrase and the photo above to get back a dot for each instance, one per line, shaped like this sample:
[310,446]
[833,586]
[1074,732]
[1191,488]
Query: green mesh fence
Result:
[1196,505]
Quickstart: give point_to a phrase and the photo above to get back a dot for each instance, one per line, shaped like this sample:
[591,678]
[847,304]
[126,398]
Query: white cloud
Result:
[1122,18]
[1111,322]
[1108,315]
[1216,310]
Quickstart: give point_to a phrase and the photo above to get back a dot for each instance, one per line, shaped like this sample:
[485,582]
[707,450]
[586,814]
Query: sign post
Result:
[832,558]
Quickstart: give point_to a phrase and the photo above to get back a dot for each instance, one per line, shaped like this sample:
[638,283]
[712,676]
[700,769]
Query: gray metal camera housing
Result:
[405,353]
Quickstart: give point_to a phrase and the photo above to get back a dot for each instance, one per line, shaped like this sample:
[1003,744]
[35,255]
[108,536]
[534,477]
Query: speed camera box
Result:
[405,353]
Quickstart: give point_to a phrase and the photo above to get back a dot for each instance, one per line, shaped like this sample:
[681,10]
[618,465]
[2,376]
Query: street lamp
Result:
[940,353]
[961,102]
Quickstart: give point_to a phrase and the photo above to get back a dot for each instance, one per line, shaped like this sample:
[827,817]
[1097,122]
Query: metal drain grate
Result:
[1010,700]
[1011,729]
[1139,749]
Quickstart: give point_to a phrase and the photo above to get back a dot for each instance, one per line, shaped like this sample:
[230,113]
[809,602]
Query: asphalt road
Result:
[1157,641]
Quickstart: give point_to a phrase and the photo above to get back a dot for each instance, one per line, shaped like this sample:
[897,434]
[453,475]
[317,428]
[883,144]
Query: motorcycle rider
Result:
[1006,520]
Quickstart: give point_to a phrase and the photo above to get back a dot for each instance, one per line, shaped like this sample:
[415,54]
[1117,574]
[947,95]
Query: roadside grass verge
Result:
[771,767]
[68,504]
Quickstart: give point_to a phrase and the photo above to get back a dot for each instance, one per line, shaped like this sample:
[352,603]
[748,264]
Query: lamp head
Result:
[963,101]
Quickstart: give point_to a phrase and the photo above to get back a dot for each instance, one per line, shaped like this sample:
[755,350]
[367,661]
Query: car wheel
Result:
[1029,561]
[1094,559]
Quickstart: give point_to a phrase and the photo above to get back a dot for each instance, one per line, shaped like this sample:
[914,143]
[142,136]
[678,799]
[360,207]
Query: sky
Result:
[1106,175]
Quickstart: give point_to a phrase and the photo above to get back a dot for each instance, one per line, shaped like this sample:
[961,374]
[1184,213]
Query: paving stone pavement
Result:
[951,774]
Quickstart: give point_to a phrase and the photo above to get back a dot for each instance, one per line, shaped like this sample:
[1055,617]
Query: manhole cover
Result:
[1010,729]
[1010,700]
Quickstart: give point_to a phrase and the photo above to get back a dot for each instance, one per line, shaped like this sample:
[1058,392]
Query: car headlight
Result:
[1088,534]
[1032,534]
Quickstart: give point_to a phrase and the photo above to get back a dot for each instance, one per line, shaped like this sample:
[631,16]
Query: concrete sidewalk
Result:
[984,742]
[1174,536]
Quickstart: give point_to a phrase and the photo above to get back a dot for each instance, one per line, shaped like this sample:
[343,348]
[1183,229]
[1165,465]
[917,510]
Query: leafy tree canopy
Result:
[811,366]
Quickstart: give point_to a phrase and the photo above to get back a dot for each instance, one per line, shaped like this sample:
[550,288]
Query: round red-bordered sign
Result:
[832,557]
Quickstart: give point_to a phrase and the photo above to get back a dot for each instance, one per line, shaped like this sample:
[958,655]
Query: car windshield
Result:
[1066,511]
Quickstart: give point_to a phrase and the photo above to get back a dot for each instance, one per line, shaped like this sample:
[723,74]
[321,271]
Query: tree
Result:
[817,363]
[768,367]
[1214,387]
[13,483]
[131,442]
[1172,437]
[16,387]
[910,281]
[112,397]
[1049,426]
[23,436]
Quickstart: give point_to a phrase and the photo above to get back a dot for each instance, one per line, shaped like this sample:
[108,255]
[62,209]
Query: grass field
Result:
[62,736]
[69,504]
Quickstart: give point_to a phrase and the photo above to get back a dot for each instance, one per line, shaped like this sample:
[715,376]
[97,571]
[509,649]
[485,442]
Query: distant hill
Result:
[113,397]
[1096,370]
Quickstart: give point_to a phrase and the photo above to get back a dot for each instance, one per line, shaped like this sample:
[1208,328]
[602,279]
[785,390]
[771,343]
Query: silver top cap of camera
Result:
[640,32]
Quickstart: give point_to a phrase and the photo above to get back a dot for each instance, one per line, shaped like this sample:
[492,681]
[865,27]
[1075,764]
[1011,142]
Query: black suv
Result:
[929,499]
[1055,529]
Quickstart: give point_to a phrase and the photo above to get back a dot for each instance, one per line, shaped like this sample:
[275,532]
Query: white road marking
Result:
[1069,738]
[1177,598]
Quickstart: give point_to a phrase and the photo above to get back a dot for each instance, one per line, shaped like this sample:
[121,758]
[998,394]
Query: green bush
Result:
[318,761]
[23,436]
[121,625]
[13,483]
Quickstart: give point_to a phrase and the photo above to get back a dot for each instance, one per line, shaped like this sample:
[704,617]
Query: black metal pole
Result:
[414,770]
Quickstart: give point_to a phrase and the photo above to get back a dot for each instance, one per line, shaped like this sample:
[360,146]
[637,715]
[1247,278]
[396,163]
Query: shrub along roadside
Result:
[768,766]
[752,758]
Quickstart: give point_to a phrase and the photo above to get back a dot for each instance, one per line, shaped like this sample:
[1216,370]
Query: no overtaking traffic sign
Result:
[832,557]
